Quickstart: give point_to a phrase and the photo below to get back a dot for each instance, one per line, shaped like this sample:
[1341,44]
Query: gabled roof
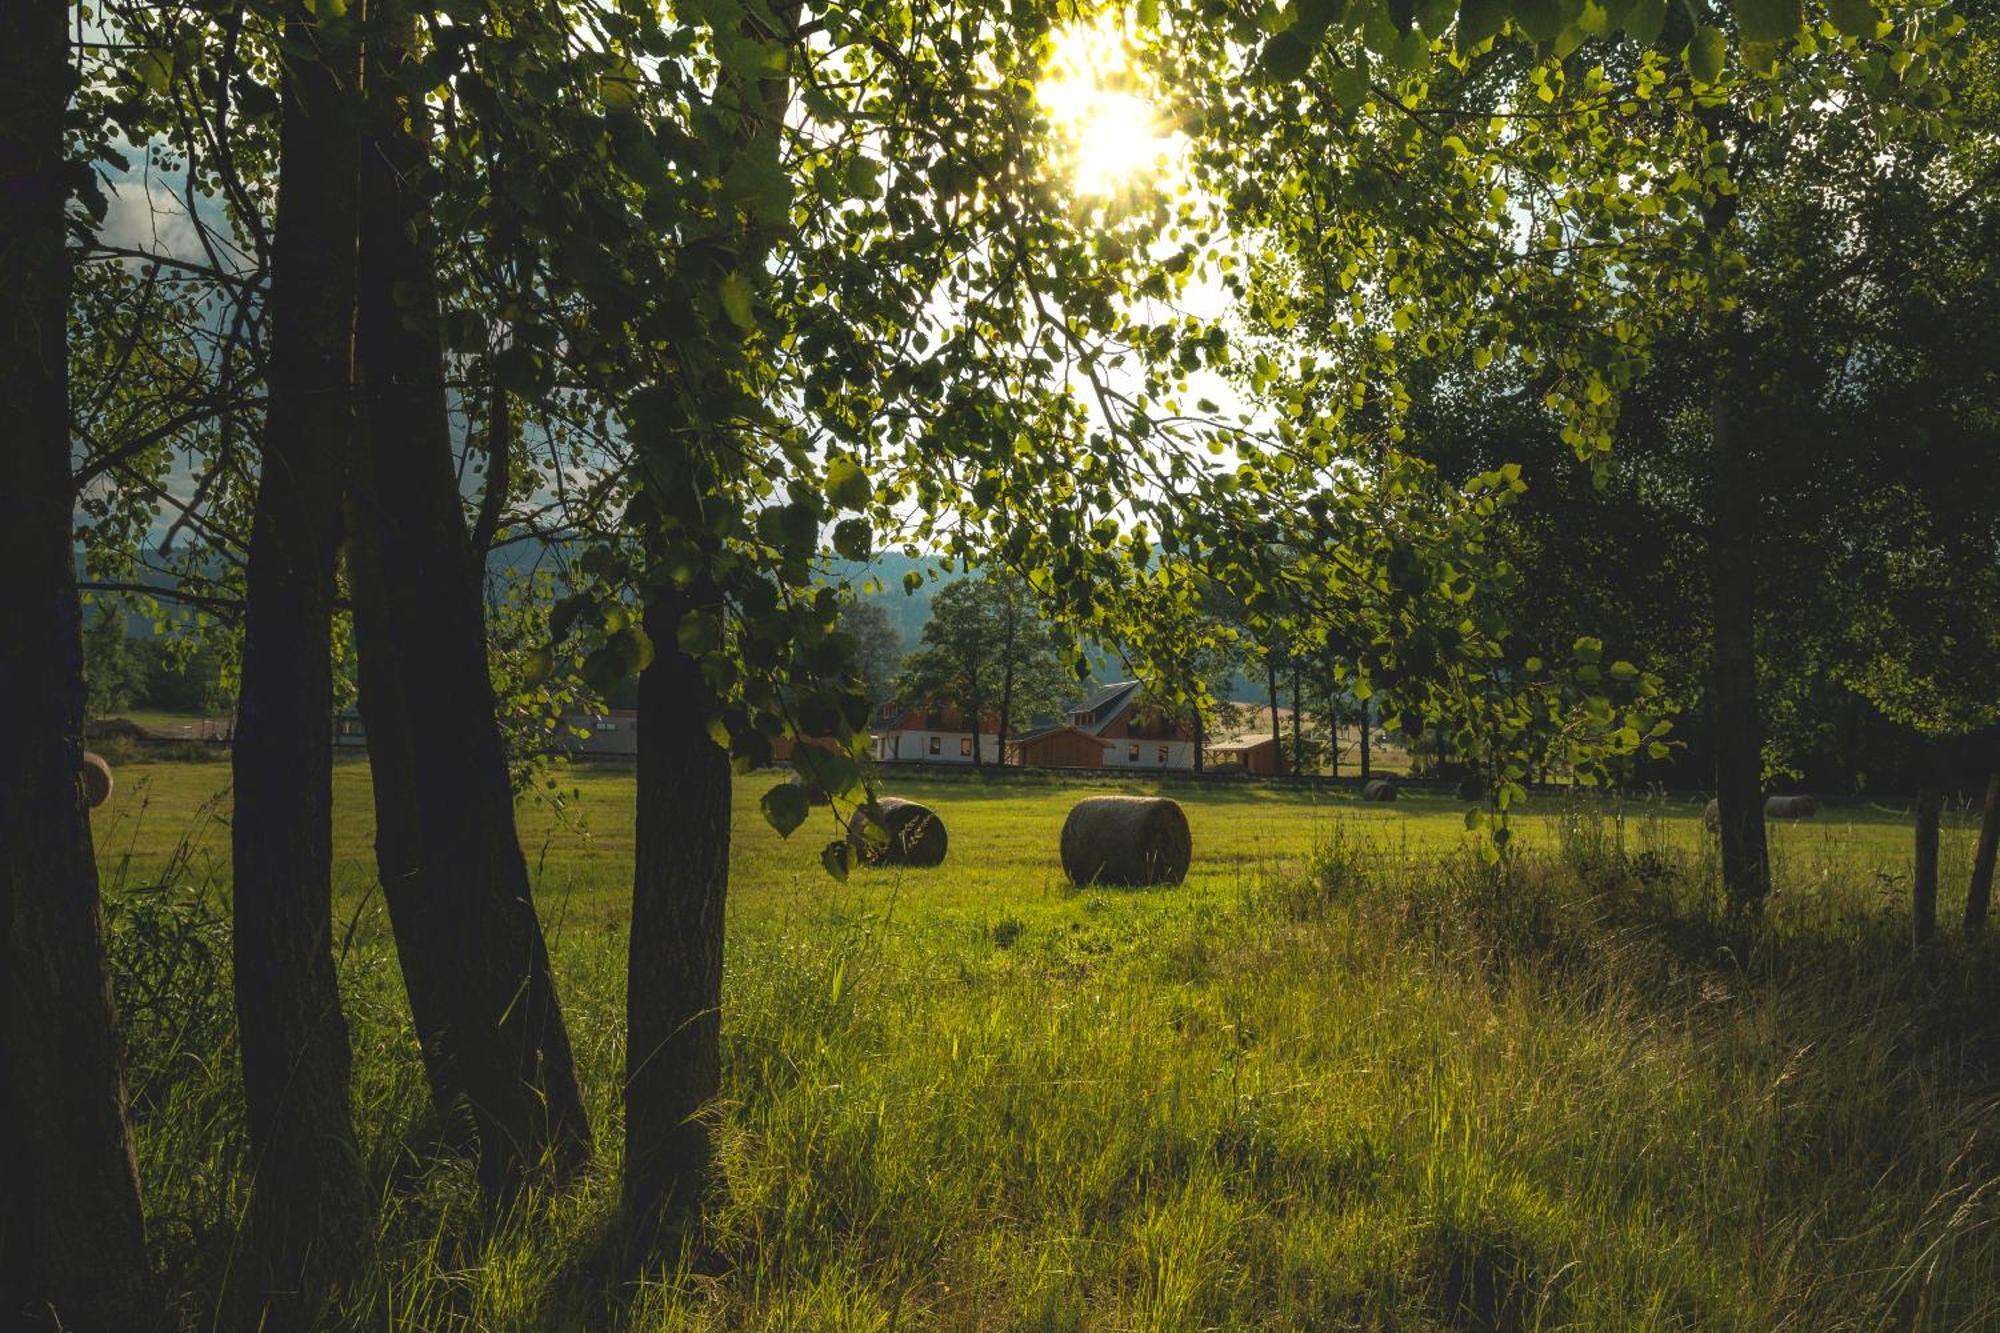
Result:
[1036,733]
[1107,703]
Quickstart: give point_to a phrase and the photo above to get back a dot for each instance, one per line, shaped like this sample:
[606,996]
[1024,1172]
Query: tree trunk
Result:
[1277,737]
[1979,892]
[72,1244]
[468,938]
[973,696]
[1006,711]
[1199,736]
[673,1010]
[310,1204]
[1367,725]
[1739,757]
[1924,872]
[1298,726]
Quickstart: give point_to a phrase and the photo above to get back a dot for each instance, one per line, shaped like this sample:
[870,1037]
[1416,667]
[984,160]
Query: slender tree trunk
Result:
[1739,756]
[1979,892]
[1199,737]
[673,1010]
[1924,873]
[1006,709]
[1277,737]
[1298,726]
[72,1244]
[1332,735]
[1367,726]
[310,1204]
[680,876]
[470,943]
[974,697]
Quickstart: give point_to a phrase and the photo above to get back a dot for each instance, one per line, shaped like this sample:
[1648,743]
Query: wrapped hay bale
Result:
[1126,840]
[95,775]
[916,834]
[1380,789]
[1790,807]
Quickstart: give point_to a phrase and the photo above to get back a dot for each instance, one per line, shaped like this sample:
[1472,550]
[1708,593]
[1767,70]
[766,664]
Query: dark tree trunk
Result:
[1979,892]
[1277,737]
[1367,726]
[1298,726]
[1924,872]
[1332,734]
[310,1203]
[673,1010]
[1006,711]
[72,1244]
[1199,736]
[1739,754]
[470,943]
[974,697]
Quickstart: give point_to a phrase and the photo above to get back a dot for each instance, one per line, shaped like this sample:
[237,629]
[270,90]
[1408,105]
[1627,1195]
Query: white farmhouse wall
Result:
[951,746]
[1179,754]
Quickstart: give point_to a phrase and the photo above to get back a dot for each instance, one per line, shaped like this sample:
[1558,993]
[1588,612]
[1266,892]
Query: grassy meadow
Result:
[1346,1076]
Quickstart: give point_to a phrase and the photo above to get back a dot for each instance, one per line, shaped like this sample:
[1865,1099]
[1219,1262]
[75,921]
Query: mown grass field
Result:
[1345,1076]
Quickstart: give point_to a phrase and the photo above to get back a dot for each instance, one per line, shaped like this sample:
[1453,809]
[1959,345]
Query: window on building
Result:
[1132,754]
[1163,754]
[964,746]
[937,745]
[607,724]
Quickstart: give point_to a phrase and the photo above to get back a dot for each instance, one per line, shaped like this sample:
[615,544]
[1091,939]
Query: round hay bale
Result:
[1127,840]
[1711,816]
[1380,789]
[95,775]
[916,834]
[1790,807]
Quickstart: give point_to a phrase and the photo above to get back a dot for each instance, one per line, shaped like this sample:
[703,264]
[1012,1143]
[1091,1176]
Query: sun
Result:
[1111,137]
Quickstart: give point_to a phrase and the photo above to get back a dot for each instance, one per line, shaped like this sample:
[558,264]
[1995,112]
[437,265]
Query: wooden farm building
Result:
[1056,745]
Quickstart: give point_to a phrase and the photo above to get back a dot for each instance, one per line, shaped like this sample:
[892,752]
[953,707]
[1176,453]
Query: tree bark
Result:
[1739,752]
[1277,736]
[310,1204]
[469,940]
[1924,871]
[1367,726]
[1198,735]
[1298,726]
[673,1011]
[72,1241]
[1979,892]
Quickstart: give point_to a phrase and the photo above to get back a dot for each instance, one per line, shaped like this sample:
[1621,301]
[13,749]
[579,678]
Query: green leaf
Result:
[1481,19]
[1540,20]
[1348,84]
[1854,18]
[538,667]
[785,807]
[1707,52]
[1768,21]
[1286,56]
[1645,21]
[853,538]
[154,69]
[568,611]
[739,301]
[1435,16]
[634,649]
[847,484]
[834,857]
[604,670]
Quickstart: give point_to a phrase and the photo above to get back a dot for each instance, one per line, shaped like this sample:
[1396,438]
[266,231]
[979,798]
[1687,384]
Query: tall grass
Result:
[1381,1088]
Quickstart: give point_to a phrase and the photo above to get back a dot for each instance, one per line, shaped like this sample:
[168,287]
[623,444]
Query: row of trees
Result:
[697,294]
